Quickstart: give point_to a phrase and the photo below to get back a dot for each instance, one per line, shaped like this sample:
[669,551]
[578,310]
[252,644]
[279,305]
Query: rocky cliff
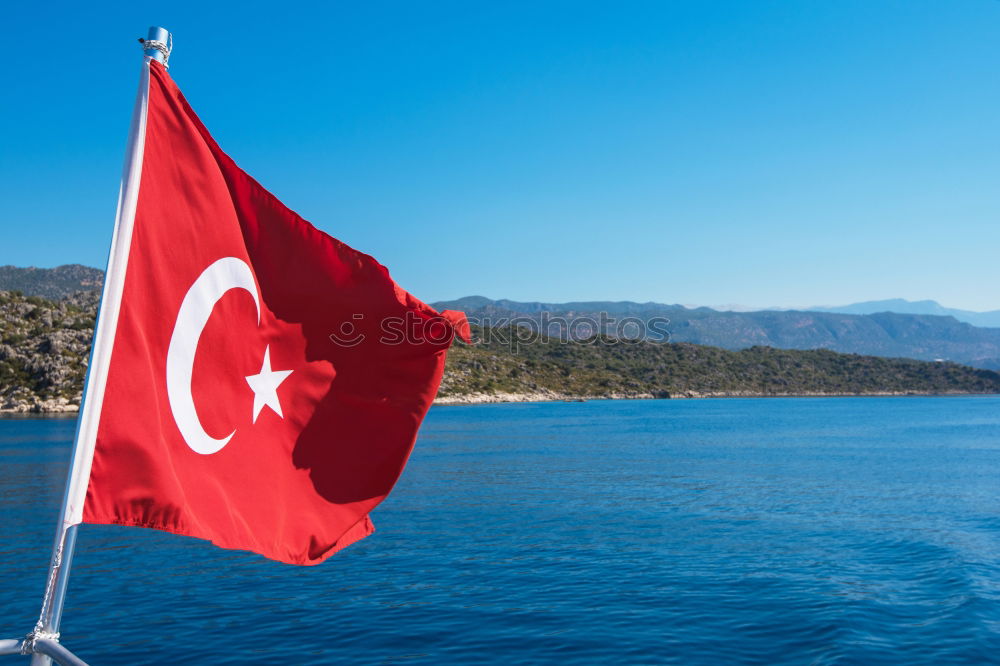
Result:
[44,348]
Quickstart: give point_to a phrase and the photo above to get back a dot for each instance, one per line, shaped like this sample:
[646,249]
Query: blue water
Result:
[799,531]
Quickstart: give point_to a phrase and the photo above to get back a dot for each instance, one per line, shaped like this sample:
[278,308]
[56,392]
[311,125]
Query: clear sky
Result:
[767,153]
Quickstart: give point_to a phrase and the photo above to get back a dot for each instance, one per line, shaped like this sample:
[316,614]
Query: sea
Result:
[717,531]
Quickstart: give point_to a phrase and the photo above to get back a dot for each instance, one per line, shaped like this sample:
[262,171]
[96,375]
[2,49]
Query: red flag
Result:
[266,381]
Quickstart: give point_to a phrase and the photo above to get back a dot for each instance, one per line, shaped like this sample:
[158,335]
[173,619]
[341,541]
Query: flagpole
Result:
[43,642]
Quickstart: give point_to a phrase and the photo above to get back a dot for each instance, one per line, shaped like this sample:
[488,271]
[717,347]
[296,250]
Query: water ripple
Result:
[837,531]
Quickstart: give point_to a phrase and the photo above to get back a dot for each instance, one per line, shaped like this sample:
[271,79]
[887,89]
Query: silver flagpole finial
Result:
[158,45]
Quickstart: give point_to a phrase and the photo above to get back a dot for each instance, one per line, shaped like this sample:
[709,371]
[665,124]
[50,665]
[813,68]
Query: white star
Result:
[265,386]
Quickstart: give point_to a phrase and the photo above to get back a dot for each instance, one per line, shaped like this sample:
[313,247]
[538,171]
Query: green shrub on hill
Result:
[44,347]
[602,366]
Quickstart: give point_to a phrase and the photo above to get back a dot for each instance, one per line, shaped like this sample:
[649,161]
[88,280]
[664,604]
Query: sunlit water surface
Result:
[800,531]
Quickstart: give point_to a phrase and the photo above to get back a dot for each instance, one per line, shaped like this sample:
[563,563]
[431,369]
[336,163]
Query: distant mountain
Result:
[51,282]
[887,334]
[505,307]
[902,306]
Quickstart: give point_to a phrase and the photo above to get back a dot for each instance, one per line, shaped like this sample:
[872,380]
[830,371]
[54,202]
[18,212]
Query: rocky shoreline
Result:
[64,406]
[51,406]
[497,398]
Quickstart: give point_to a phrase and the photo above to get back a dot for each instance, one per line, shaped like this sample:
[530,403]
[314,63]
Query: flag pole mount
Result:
[158,45]
[43,643]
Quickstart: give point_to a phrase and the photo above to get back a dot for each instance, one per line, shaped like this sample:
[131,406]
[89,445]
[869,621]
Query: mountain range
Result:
[922,330]
[902,306]
[44,346]
[888,334]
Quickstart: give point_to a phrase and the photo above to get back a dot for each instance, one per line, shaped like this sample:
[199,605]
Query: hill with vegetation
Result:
[44,347]
[58,282]
[496,367]
[924,330]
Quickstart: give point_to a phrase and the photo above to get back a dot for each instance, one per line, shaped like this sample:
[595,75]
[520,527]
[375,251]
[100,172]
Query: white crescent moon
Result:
[211,285]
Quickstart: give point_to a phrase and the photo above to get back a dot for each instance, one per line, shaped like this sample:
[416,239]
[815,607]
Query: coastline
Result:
[51,406]
[62,407]
[551,396]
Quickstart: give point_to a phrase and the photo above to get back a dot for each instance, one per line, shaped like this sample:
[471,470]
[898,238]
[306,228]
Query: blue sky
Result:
[756,152]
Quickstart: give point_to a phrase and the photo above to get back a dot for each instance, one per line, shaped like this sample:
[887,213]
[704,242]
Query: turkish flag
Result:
[266,381]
